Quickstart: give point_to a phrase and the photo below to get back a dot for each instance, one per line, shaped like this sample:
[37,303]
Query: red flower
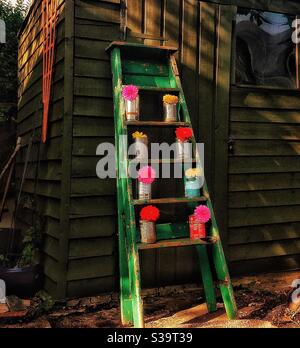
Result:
[149,213]
[184,133]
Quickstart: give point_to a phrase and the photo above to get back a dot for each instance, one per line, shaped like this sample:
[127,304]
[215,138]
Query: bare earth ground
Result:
[262,301]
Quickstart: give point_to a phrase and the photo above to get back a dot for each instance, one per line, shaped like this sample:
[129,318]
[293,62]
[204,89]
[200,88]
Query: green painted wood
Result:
[126,300]
[217,249]
[208,283]
[144,67]
[175,243]
[131,302]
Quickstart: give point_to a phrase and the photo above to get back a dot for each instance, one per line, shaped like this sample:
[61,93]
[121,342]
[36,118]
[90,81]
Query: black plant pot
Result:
[22,282]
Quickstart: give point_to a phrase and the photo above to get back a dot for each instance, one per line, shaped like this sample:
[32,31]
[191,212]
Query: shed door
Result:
[264,144]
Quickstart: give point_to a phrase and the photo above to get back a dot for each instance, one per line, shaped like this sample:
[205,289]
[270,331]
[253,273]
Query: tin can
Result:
[183,150]
[141,147]
[192,187]
[132,108]
[148,232]
[144,191]
[170,112]
[197,229]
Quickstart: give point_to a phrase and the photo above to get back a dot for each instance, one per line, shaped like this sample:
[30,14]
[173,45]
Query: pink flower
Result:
[202,214]
[146,175]
[130,92]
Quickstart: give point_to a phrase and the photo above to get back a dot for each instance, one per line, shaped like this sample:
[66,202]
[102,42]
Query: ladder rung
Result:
[168,200]
[162,161]
[157,124]
[175,243]
[158,89]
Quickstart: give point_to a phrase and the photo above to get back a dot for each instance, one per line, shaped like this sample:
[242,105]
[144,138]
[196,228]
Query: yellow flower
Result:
[193,172]
[139,135]
[170,99]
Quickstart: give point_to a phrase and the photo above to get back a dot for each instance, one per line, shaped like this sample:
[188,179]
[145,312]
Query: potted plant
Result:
[141,144]
[22,275]
[146,177]
[197,222]
[130,94]
[183,145]
[170,107]
[192,182]
[149,215]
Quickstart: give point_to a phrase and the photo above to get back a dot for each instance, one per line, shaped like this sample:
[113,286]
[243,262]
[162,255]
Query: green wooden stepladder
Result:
[154,69]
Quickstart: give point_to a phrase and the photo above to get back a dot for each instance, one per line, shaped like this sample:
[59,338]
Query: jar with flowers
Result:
[130,94]
[146,177]
[148,217]
[197,222]
[192,182]
[141,144]
[183,144]
[170,107]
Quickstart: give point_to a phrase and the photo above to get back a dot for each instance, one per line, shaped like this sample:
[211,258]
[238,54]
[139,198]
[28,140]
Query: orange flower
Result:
[170,99]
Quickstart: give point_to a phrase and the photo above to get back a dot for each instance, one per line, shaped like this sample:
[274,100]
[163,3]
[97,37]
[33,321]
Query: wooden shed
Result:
[244,107]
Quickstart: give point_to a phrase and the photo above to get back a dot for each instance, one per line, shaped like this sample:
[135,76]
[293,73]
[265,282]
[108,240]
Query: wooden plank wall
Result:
[264,223]
[178,22]
[43,193]
[264,186]
[92,251]
[90,241]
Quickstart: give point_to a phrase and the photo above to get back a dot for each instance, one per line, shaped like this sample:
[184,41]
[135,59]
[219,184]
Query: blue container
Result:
[192,187]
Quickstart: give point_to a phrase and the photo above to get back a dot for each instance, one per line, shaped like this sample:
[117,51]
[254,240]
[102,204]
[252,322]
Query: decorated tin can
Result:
[192,187]
[183,150]
[141,147]
[144,191]
[132,108]
[148,232]
[170,112]
[197,229]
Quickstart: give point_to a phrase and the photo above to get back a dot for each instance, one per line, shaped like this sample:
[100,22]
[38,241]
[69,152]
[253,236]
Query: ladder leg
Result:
[125,288]
[137,303]
[207,279]
[224,281]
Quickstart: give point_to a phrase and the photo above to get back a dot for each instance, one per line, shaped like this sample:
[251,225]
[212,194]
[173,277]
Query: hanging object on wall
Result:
[49,20]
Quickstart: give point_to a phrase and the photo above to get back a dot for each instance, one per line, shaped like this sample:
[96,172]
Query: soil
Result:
[263,302]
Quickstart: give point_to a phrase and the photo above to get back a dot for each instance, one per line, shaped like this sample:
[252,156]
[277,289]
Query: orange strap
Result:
[49,20]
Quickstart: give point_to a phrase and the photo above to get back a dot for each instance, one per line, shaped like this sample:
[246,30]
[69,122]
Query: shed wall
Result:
[82,258]
[42,185]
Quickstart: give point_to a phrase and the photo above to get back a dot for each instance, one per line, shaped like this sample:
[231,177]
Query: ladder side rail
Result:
[125,282]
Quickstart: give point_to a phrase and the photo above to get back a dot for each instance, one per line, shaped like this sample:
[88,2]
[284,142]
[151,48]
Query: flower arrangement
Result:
[193,173]
[139,135]
[184,134]
[170,99]
[146,175]
[202,214]
[130,92]
[150,214]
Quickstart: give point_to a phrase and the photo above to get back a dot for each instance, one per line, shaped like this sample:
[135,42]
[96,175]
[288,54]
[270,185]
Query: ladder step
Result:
[157,124]
[158,89]
[175,243]
[169,200]
[161,161]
